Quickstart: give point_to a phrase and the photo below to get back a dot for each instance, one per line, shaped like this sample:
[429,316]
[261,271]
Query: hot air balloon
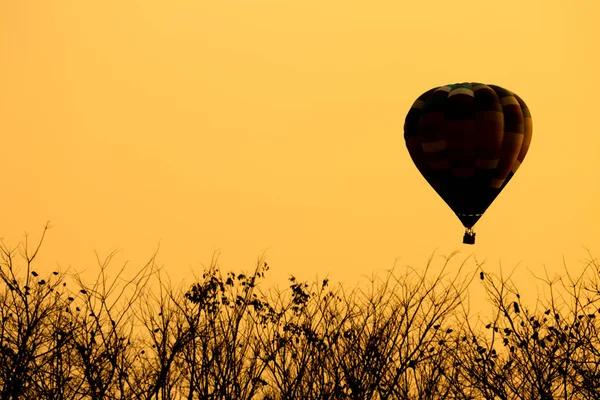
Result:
[468,140]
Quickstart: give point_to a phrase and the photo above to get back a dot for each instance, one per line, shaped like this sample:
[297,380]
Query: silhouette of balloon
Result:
[468,140]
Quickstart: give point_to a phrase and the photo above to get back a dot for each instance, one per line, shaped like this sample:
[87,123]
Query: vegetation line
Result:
[409,336]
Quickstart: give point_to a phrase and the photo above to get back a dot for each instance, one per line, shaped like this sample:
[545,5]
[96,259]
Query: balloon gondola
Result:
[468,140]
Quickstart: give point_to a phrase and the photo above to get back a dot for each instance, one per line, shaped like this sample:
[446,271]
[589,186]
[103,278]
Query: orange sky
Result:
[252,126]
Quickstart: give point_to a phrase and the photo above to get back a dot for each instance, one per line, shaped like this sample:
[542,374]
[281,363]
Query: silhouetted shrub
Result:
[407,336]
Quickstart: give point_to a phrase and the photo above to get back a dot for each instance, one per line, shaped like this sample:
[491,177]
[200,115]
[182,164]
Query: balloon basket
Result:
[469,237]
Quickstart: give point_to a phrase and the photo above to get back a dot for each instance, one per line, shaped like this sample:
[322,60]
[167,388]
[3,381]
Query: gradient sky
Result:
[275,126]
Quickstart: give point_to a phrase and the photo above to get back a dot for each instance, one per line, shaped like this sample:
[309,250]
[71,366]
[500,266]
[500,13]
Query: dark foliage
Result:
[405,336]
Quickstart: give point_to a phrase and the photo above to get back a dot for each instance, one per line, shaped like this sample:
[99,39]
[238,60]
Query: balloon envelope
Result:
[468,140]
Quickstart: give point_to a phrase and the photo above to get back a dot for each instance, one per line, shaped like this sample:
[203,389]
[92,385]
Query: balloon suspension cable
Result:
[469,237]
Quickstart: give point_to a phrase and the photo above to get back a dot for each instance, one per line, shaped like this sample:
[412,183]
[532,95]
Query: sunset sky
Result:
[253,126]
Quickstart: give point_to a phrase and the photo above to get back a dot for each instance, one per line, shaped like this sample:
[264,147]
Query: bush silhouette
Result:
[408,335]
